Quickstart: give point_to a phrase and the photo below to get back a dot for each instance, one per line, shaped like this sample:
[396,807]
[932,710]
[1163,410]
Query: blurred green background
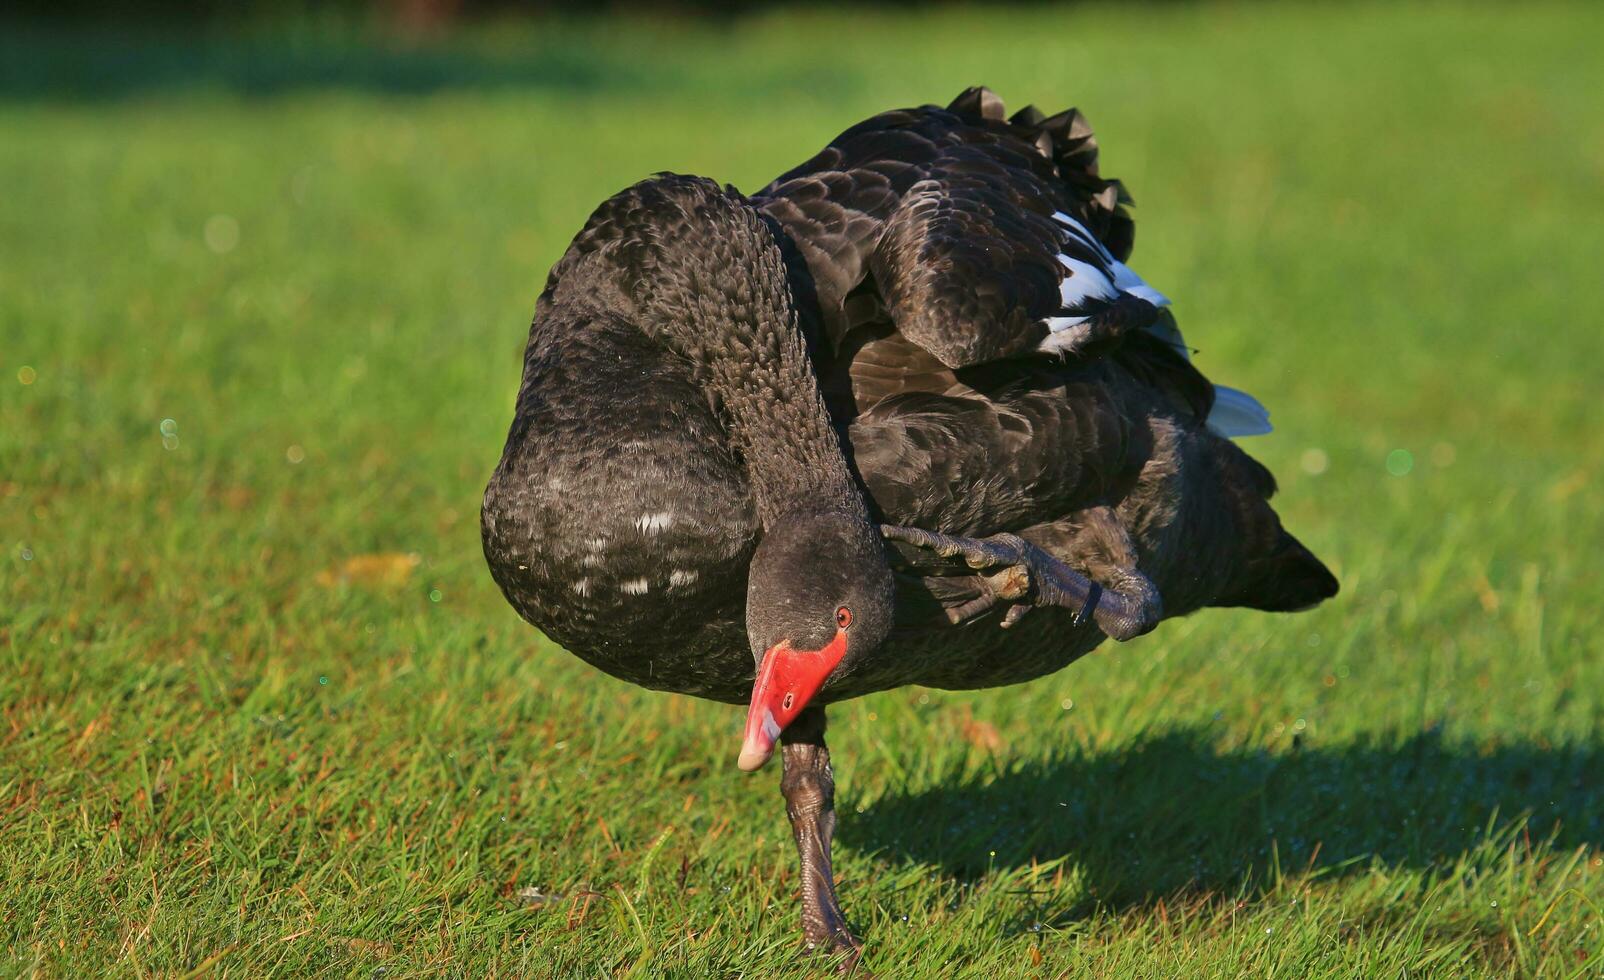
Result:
[263,291]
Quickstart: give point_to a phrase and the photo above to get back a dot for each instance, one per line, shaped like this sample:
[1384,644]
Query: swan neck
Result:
[720,289]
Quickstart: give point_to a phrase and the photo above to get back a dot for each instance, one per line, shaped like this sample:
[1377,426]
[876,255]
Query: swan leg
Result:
[1104,549]
[1015,571]
[809,788]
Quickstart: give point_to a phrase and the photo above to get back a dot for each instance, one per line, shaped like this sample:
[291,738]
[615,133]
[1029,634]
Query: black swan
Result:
[796,447]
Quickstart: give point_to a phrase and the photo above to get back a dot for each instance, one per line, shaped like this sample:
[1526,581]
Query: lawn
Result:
[262,302]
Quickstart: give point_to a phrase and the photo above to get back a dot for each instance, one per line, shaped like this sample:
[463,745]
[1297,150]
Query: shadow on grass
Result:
[1173,813]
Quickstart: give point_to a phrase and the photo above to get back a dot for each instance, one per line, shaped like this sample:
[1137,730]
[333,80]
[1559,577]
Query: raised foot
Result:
[1014,571]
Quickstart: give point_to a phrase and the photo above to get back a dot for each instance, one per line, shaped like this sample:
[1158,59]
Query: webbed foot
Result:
[1022,575]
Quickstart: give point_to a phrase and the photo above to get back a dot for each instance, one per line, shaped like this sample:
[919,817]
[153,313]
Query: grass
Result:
[258,321]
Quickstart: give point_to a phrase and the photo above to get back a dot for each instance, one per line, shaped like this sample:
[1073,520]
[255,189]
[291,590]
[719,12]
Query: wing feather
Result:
[984,238]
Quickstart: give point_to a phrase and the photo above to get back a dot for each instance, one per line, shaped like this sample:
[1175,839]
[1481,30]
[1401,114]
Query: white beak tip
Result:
[753,756]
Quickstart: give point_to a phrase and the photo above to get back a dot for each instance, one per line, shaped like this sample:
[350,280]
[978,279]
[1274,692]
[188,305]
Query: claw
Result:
[978,553]
[1019,573]
[1012,584]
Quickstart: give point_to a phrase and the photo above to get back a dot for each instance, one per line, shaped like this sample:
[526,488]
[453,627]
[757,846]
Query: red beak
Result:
[785,684]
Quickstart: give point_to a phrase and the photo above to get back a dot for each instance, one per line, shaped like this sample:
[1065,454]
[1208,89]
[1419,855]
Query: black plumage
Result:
[724,396]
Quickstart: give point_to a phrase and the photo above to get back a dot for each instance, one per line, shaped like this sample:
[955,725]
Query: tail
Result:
[1287,579]
[1276,572]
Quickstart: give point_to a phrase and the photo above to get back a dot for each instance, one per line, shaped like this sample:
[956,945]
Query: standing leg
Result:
[809,789]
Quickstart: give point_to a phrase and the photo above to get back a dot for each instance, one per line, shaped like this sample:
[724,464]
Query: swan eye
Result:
[843,617]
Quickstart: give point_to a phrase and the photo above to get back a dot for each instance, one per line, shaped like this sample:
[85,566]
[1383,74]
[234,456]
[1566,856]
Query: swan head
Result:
[819,600]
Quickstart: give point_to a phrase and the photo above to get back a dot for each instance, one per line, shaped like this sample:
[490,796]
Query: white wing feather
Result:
[1235,413]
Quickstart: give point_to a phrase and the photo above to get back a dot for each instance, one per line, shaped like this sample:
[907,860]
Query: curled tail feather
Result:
[1065,138]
